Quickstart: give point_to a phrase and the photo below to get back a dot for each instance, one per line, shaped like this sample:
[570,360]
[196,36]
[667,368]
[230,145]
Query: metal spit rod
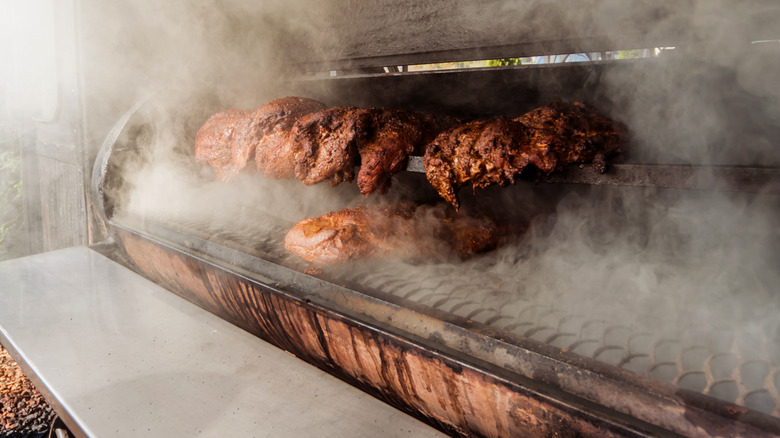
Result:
[725,178]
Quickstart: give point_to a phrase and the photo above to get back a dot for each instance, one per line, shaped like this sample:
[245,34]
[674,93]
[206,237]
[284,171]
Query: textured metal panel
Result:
[123,357]
[724,178]
[717,364]
[457,396]
[380,32]
[527,337]
[388,32]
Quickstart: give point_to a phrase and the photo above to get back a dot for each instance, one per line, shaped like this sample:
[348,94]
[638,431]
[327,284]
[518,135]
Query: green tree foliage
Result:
[627,54]
[504,62]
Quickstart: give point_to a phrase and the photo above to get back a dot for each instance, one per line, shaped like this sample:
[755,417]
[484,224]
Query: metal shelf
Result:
[723,178]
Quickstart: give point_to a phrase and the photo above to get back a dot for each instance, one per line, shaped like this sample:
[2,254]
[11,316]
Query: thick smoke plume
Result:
[700,268]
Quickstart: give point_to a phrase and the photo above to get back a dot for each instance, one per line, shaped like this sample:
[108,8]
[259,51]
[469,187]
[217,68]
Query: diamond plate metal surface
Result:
[733,364]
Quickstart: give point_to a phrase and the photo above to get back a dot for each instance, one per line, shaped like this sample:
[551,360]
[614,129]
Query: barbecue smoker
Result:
[487,347]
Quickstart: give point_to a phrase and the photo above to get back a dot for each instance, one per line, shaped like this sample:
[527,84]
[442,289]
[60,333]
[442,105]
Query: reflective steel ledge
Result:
[117,355]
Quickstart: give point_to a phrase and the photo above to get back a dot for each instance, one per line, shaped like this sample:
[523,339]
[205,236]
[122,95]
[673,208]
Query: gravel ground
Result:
[23,411]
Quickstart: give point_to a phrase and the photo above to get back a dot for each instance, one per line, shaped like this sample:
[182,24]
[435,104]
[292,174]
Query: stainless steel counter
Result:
[117,355]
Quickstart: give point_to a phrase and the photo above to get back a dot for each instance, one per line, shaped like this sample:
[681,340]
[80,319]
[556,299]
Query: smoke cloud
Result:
[613,273]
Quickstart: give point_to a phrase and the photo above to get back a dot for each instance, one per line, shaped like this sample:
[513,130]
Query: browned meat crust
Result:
[468,235]
[482,153]
[345,235]
[326,142]
[494,151]
[400,230]
[392,136]
[216,140]
[575,132]
[298,136]
[269,133]
[229,139]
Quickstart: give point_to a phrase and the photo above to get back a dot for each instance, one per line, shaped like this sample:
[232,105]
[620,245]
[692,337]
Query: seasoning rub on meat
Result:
[229,139]
[330,143]
[270,131]
[403,230]
[495,151]
[575,132]
[217,139]
[300,137]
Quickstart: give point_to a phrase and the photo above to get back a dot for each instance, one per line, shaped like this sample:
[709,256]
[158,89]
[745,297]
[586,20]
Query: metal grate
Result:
[729,363]
[730,360]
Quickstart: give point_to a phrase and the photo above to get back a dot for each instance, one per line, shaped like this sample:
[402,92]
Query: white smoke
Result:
[698,267]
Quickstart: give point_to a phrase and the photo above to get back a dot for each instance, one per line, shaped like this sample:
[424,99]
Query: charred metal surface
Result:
[284,317]
[446,91]
[455,396]
[722,178]
[384,32]
[746,179]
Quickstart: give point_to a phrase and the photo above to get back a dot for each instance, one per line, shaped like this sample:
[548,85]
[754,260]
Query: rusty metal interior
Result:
[498,358]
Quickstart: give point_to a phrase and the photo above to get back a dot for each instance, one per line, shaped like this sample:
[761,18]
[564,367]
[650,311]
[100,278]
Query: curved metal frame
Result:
[100,167]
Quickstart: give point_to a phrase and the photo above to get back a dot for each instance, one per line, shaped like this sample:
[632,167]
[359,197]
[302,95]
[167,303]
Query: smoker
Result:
[537,338]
